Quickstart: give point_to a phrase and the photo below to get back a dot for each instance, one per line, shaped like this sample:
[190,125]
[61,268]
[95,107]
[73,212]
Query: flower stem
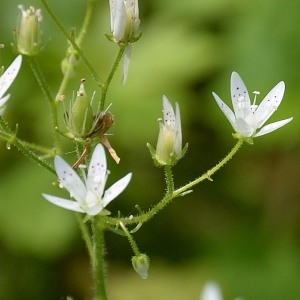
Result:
[169,179]
[12,139]
[53,104]
[79,40]
[72,41]
[99,250]
[144,217]
[111,75]
[132,242]
[86,237]
[209,173]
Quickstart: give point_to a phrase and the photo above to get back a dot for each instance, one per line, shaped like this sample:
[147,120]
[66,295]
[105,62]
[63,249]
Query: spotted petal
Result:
[64,203]
[116,189]
[97,173]
[9,75]
[240,97]
[70,180]
[270,103]
[169,116]
[225,109]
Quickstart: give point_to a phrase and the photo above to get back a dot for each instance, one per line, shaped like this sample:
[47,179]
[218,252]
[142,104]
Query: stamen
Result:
[254,106]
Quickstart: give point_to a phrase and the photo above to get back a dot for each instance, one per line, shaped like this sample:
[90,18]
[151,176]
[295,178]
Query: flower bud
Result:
[80,121]
[169,143]
[140,264]
[28,35]
[124,18]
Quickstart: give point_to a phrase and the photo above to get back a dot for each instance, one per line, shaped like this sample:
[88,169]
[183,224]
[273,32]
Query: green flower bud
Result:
[80,120]
[28,34]
[140,264]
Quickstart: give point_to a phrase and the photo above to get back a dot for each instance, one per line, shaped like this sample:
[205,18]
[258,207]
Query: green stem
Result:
[86,237]
[212,171]
[11,139]
[99,250]
[79,40]
[53,104]
[132,242]
[72,41]
[169,179]
[176,193]
[111,75]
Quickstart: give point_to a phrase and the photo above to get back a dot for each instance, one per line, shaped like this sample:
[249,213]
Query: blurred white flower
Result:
[248,118]
[211,291]
[90,196]
[7,79]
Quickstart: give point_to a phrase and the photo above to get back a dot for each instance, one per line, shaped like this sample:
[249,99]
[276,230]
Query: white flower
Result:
[169,143]
[211,291]
[247,119]
[7,79]
[124,19]
[90,196]
[125,23]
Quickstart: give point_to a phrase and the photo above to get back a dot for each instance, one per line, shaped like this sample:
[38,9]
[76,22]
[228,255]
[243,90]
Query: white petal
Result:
[94,210]
[9,75]
[273,126]
[126,62]
[68,204]
[4,99]
[269,104]
[169,116]
[225,109]
[97,172]
[70,180]
[244,128]
[116,189]
[178,139]
[119,20]
[240,97]
[211,291]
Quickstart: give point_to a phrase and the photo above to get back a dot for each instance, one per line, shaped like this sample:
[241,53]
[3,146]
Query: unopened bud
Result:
[28,34]
[140,264]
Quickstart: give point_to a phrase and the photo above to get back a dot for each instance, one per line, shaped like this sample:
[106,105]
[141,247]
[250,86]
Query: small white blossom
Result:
[89,195]
[125,23]
[7,79]
[169,143]
[211,291]
[248,119]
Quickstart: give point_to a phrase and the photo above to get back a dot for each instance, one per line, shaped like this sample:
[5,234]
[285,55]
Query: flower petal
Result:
[9,75]
[273,126]
[97,173]
[269,104]
[4,99]
[178,139]
[240,97]
[126,62]
[118,19]
[225,109]
[70,180]
[68,204]
[169,116]
[116,189]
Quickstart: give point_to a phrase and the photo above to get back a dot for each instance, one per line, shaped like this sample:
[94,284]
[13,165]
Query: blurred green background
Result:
[241,230]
